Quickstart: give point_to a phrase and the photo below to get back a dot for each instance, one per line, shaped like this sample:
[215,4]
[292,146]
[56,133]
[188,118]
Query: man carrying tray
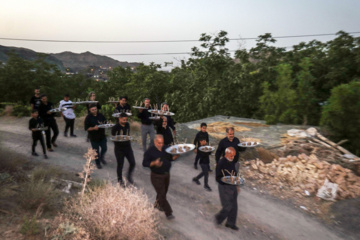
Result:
[96,134]
[228,193]
[68,115]
[159,161]
[147,126]
[123,149]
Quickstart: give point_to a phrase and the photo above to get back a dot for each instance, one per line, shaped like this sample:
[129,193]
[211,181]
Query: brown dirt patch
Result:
[250,124]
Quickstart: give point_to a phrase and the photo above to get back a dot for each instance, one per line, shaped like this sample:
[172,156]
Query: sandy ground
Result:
[259,217]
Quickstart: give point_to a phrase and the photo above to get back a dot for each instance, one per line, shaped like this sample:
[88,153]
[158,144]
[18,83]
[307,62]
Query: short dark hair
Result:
[126,98]
[43,95]
[67,95]
[203,124]
[146,99]
[123,115]
[92,105]
[34,111]
[37,87]
[230,129]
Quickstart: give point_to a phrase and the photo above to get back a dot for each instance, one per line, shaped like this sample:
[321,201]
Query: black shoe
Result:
[233,227]
[170,217]
[195,166]
[50,150]
[34,154]
[54,144]
[65,134]
[130,180]
[207,188]
[73,135]
[45,156]
[216,220]
[159,208]
[122,184]
[195,180]
[103,161]
[99,166]
[210,170]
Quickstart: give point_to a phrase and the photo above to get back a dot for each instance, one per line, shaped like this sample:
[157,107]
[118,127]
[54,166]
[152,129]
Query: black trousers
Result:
[69,123]
[52,125]
[120,154]
[228,197]
[197,158]
[204,173]
[161,184]
[97,145]
[41,139]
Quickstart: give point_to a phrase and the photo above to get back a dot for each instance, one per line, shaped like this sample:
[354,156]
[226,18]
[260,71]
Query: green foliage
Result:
[107,110]
[30,226]
[65,230]
[21,110]
[341,115]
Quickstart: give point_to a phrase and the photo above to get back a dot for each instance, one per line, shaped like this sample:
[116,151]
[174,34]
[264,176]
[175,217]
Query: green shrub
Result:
[44,174]
[107,110]
[30,226]
[342,115]
[21,110]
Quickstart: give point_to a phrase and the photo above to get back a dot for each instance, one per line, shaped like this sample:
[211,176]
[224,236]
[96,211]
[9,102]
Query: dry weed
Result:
[114,213]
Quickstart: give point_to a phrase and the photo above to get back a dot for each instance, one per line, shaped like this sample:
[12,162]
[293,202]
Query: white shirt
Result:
[69,112]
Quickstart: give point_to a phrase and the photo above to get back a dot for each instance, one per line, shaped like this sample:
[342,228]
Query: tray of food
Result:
[206,148]
[40,129]
[107,125]
[121,138]
[137,107]
[180,148]
[161,112]
[113,101]
[55,110]
[154,118]
[249,144]
[85,102]
[116,115]
[233,180]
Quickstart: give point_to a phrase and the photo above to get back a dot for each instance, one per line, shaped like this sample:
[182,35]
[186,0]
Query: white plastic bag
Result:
[297,133]
[327,191]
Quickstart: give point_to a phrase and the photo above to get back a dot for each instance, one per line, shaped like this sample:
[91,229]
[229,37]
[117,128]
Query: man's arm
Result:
[218,153]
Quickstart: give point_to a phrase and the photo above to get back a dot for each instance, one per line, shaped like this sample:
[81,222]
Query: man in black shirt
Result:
[49,121]
[159,161]
[165,131]
[123,149]
[35,100]
[122,106]
[170,121]
[147,126]
[229,141]
[204,164]
[228,193]
[201,134]
[96,134]
[36,122]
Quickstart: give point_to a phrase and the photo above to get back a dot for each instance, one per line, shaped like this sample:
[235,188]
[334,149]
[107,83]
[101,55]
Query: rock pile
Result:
[305,174]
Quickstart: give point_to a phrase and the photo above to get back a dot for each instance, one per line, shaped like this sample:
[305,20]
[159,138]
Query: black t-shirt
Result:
[92,121]
[166,132]
[43,109]
[223,165]
[200,135]
[35,123]
[144,116]
[36,101]
[204,156]
[120,130]
[152,154]
[97,105]
[120,109]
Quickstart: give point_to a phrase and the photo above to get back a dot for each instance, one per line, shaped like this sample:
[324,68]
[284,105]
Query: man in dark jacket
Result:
[147,126]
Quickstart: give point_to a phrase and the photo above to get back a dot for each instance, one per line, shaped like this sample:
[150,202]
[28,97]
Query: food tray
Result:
[177,146]
[154,118]
[248,144]
[40,129]
[206,148]
[160,112]
[137,107]
[238,181]
[116,115]
[108,125]
[84,102]
[55,110]
[114,101]
[121,138]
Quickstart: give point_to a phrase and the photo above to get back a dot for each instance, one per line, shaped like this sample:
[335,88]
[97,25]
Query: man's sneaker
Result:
[50,150]
[65,134]
[195,166]
[122,184]
[130,180]
[207,188]
[34,154]
[99,166]
[45,156]
[103,161]
[233,227]
[195,180]
[73,135]
[170,217]
[54,144]
[210,170]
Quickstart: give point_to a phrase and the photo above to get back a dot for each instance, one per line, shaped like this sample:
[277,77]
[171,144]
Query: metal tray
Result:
[137,107]
[114,101]
[238,181]
[55,110]
[177,146]
[108,125]
[121,138]
[84,102]
[159,112]
[40,129]
[154,118]
[116,115]
[209,148]
[249,144]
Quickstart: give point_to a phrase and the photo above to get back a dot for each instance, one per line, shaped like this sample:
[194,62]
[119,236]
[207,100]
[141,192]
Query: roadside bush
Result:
[342,114]
[30,226]
[112,212]
[21,110]
[107,110]
[44,174]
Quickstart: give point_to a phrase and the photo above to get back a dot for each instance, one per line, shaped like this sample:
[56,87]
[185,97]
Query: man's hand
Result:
[96,128]
[156,163]
[140,110]
[195,150]
[174,132]
[175,157]
[238,189]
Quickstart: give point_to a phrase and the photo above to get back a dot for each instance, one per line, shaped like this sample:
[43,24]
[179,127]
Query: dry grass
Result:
[114,213]
[218,129]
[135,126]
[251,124]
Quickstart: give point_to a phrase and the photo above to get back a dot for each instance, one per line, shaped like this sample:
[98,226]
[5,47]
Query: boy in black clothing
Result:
[123,149]
[204,164]
[201,134]
[36,122]
[164,130]
[35,100]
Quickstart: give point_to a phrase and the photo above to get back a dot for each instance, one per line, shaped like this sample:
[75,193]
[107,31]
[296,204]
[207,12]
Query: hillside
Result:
[73,61]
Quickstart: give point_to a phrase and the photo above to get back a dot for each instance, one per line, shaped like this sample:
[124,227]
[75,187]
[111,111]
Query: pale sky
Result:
[136,20]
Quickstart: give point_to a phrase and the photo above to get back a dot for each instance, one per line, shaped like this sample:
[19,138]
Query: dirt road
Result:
[259,217]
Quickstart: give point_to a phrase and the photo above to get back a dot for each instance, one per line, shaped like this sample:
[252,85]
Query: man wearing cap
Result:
[68,115]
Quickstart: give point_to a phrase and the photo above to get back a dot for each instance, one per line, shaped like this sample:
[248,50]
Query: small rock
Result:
[304,208]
